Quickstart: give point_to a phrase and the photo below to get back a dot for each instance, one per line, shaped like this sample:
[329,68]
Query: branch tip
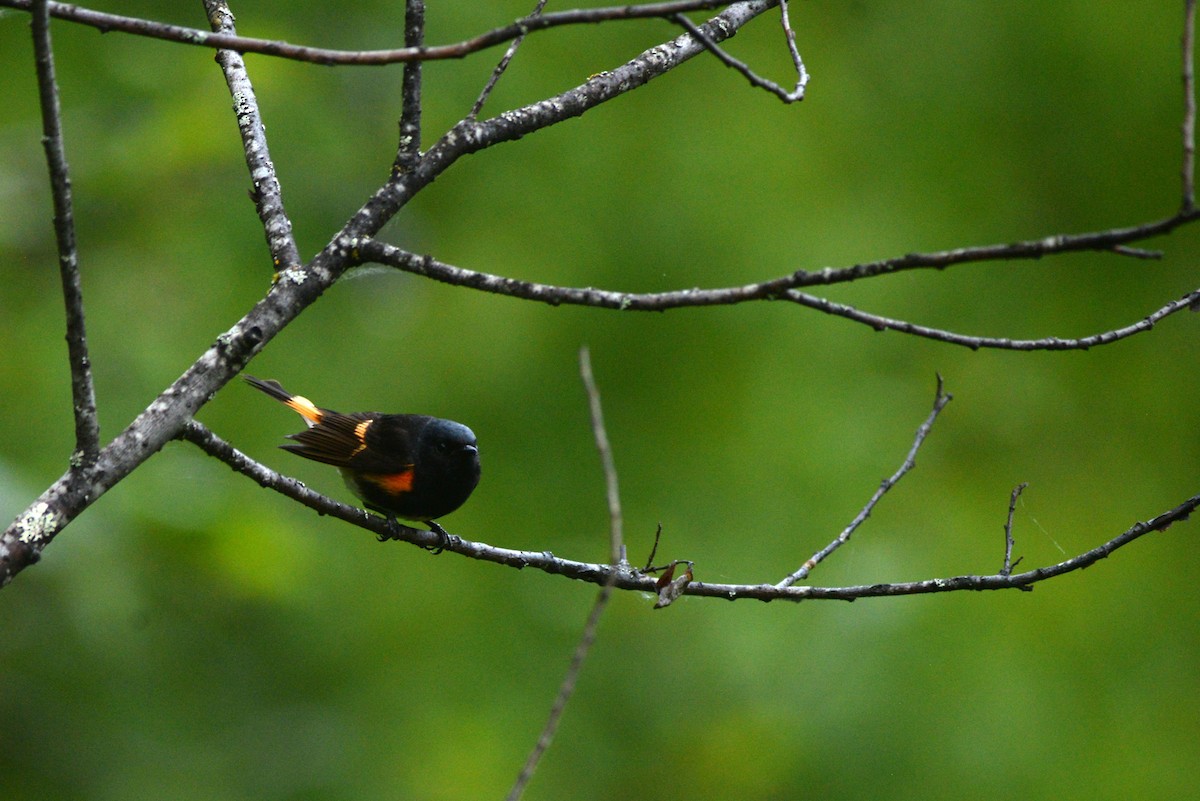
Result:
[1007,569]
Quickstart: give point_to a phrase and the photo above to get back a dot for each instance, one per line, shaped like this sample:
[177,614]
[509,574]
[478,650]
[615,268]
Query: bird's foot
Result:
[445,538]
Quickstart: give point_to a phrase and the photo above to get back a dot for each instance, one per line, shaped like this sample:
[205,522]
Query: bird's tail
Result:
[297,403]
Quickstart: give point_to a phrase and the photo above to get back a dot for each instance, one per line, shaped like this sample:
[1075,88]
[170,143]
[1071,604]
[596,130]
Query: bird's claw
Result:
[445,538]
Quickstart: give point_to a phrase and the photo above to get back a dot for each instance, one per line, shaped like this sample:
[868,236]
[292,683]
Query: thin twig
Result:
[503,65]
[617,549]
[318,55]
[1189,107]
[565,691]
[83,391]
[756,80]
[410,89]
[650,568]
[267,194]
[1009,564]
[612,492]
[782,288]
[790,35]
[941,398]
[881,323]
[1136,253]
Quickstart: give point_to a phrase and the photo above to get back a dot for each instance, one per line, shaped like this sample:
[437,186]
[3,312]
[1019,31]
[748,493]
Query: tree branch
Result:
[83,391]
[941,398]
[409,150]
[1188,126]
[267,194]
[796,94]
[612,492]
[470,136]
[880,323]
[105,22]
[617,558]
[785,288]
[1007,568]
[503,65]
[621,577]
[165,418]
[198,434]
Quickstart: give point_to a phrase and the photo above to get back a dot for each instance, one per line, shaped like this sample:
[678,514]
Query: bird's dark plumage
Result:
[409,466]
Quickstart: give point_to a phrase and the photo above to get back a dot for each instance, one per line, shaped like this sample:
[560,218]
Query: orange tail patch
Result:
[305,408]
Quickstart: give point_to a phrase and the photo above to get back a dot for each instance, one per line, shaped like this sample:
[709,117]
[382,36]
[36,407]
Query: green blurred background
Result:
[193,636]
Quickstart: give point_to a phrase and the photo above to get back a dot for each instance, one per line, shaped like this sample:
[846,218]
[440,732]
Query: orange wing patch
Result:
[393,483]
[360,433]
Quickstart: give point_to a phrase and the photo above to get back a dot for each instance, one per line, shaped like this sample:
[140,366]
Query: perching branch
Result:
[198,434]
[622,577]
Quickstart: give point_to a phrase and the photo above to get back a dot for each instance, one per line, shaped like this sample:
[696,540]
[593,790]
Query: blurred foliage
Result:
[196,633]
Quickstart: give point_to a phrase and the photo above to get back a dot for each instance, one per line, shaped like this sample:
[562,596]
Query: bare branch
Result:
[503,65]
[410,115]
[880,323]
[1189,107]
[622,578]
[940,399]
[790,35]
[756,80]
[772,289]
[783,288]
[83,391]
[469,136]
[267,194]
[617,549]
[1009,564]
[768,592]
[1137,253]
[565,691]
[1112,240]
[318,55]
[617,540]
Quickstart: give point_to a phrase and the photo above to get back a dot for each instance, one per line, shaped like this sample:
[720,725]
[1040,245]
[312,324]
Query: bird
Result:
[407,466]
